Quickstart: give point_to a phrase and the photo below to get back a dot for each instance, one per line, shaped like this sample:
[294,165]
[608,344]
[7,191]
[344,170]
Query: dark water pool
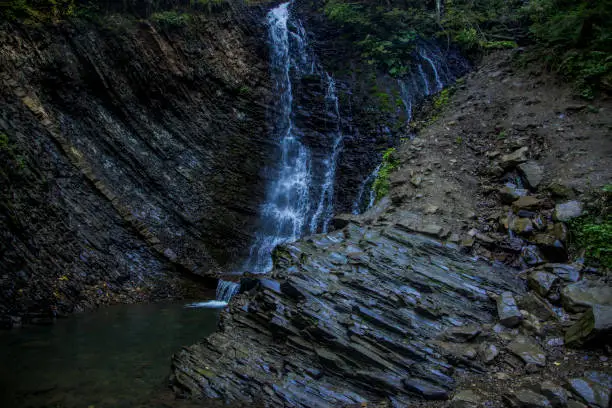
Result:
[118,356]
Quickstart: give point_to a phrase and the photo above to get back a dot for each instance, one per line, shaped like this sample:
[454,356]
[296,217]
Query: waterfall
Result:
[367,182]
[429,75]
[325,207]
[299,199]
[225,291]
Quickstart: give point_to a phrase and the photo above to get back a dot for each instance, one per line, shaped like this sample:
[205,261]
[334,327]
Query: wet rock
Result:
[527,203]
[551,247]
[425,389]
[594,388]
[525,398]
[466,399]
[369,327]
[509,161]
[579,296]
[509,194]
[567,211]
[567,272]
[488,352]
[522,226]
[342,220]
[528,350]
[554,393]
[462,334]
[595,325]
[532,173]
[537,307]
[532,256]
[575,404]
[560,191]
[507,310]
[542,282]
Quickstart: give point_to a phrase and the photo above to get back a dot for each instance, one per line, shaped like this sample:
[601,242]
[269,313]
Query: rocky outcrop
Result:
[132,152]
[361,314]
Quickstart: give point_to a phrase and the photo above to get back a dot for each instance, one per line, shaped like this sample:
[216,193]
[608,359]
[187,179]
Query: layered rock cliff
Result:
[130,153]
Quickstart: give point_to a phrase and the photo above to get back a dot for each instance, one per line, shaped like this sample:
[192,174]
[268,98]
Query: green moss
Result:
[442,99]
[389,163]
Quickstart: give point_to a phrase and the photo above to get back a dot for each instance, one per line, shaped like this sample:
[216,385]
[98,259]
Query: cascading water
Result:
[288,201]
[299,198]
[367,183]
[429,75]
[225,291]
[325,207]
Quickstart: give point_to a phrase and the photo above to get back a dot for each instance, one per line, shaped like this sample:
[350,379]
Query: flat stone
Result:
[579,296]
[532,173]
[525,398]
[509,193]
[488,352]
[522,226]
[542,282]
[554,393]
[528,350]
[567,211]
[527,203]
[509,161]
[462,334]
[466,399]
[537,307]
[507,310]
[595,325]
[532,255]
[567,272]
[591,390]
[425,389]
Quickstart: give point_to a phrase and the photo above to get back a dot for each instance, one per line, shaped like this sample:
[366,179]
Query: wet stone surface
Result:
[374,328]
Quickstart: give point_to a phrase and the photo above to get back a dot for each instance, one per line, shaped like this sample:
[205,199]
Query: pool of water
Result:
[117,356]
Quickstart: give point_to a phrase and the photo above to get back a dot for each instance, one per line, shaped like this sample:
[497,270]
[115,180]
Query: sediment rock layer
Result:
[357,315]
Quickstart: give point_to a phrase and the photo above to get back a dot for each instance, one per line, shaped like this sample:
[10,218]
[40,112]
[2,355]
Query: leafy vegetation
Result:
[389,163]
[591,234]
[170,19]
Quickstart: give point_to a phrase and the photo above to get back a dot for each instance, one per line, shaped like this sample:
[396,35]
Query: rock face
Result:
[356,320]
[139,154]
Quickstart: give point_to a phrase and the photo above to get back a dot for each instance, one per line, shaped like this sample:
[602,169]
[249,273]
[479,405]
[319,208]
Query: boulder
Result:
[532,173]
[527,203]
[554,393]
[509,161]
[559,190]
[522,226]
[528,350]
[542,282]
[510,193]
[488,352]
[579,296]
[551,247]
[507,310]
[594,388]
[567,211]
[531,255]
[567,272]
[595,325]
[525,398]
[466,399]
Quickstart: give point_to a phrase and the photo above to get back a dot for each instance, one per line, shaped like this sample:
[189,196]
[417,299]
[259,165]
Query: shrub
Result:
[170,19]
[389,163]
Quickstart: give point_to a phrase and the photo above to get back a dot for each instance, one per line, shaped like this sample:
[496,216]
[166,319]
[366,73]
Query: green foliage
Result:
[442,99]
[575,39]
[384,36]
[593,235]
[37,10]
[170,19]
[389,163]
